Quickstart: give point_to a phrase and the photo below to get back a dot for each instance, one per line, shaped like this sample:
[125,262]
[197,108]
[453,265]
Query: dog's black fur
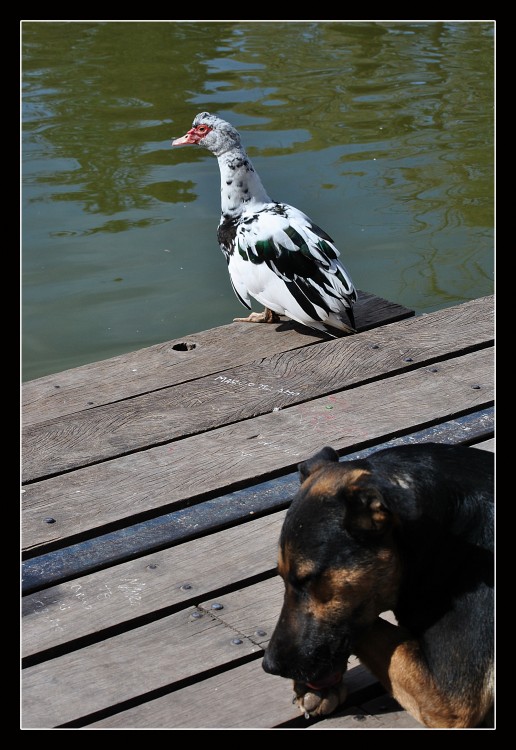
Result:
[409,529]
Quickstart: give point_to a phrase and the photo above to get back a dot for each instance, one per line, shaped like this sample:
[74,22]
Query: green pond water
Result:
[383,132]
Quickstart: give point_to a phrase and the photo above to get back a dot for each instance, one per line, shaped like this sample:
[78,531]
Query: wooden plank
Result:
[487,445]
[188,523]
[153,368]
[273,383]
[252,450]
[251,611]
[163,652]
[122,593]
[179,360]
[241,698]
[126,666]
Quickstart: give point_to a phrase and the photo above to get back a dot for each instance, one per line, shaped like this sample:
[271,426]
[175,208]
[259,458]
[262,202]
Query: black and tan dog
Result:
[409,529]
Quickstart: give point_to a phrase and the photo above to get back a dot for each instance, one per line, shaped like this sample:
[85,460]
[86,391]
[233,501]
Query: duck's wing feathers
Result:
[298,252]
[240,290]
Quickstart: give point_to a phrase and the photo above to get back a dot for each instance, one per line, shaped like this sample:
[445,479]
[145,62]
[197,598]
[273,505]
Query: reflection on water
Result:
[381,132]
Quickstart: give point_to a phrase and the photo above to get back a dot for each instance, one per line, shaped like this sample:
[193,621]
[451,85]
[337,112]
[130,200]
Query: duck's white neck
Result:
[240,187]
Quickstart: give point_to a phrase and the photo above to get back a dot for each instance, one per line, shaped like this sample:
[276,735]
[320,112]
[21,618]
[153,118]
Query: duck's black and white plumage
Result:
[275,253]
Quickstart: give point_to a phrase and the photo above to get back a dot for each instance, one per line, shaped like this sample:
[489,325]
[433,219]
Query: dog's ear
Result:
[310,465]
[367,511]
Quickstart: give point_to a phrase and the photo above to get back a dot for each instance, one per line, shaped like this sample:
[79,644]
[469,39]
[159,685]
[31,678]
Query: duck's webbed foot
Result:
[267,316]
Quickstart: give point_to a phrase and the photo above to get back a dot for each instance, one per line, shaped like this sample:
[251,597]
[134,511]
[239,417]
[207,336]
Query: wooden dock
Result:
[154,489]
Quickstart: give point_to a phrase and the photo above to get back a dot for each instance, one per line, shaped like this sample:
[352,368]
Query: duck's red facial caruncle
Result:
[194,135]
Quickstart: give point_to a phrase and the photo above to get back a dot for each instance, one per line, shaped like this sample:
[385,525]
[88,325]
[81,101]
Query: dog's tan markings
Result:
[330,481]
[291,564]
[485,703]
[372,589]
[303,568]
[337,593]
[283,562]
[373,517]
[379,514]
[396,659]
[353,477]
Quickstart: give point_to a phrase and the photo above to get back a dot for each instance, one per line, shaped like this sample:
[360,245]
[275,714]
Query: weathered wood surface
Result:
[181,360]
[137,662]
[137,643]
[150,657]
[135,589]
[238,393]
[53,567]
[159,478]
[488,445]
[241,698]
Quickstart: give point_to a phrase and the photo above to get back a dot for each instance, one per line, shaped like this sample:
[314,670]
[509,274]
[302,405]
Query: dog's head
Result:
[339,566]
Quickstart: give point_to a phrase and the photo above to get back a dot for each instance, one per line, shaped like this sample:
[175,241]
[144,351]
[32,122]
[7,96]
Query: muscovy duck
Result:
[275,253]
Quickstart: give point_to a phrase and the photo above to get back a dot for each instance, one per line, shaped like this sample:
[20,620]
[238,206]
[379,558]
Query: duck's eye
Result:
[202,128]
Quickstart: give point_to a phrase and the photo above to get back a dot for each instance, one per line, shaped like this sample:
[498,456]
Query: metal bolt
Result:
[216,605]
[50,520]
[476,387]
[236,641]
[57,386]
[434,369]
[260,631]
[152,566]
[196,615]
[91,403]
[375,346]
[408,359]
[186,586]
